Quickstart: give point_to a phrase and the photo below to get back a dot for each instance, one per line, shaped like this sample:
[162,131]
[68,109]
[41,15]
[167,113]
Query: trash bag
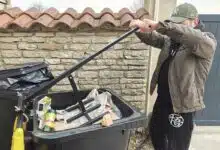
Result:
[25,78]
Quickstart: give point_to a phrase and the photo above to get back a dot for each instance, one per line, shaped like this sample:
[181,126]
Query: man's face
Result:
[190,22]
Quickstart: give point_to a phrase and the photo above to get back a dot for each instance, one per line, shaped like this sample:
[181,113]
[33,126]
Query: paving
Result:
[203,138]
[206,138]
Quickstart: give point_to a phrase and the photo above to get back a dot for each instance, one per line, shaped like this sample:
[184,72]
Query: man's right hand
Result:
[138,23]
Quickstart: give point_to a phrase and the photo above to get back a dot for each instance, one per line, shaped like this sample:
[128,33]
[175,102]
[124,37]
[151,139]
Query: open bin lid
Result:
[135,120]
[24,78]
[23,69]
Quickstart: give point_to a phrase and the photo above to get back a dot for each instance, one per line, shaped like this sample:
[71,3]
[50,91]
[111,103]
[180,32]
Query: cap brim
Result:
[177,19]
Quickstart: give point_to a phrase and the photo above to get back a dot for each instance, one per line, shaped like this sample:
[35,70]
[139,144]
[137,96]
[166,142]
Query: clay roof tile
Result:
[65,19]
[72,12]
[44,20]
[22,21]
[13,12]
[5,20]
[33,12]
[89,11]
[53,12]
[87,19]
[107,10]
[124,11]
[51,18]
[125,20]
[141,12]
[107,18]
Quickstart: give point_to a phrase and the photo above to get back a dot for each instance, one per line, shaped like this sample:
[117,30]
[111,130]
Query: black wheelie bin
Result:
[89,137]
[25,79]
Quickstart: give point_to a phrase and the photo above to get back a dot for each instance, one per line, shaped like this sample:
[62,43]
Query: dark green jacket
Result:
[189,69]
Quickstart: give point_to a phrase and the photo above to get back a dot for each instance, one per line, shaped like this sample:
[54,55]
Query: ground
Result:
[206,138]
[203,138]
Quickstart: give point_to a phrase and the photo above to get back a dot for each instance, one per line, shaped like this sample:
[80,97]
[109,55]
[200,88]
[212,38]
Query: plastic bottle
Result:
[49,122]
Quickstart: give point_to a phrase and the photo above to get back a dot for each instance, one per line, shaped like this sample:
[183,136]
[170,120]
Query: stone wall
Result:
[123,68]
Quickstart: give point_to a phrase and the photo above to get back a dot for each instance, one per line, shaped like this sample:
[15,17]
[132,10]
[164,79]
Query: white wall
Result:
[204,6]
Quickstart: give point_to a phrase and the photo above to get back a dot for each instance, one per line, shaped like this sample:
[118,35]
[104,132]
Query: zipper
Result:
[173,54]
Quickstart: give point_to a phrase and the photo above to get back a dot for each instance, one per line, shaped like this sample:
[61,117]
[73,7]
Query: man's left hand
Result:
[146,25]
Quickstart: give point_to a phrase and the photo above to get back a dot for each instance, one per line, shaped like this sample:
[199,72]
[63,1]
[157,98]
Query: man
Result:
[182,69]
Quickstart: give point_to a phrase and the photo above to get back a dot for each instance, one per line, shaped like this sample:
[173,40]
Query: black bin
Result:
[91,137]
[24,79]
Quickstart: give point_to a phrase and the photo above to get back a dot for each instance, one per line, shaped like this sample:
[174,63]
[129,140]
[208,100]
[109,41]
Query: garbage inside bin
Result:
[64,118]
[94,136]
[24,79]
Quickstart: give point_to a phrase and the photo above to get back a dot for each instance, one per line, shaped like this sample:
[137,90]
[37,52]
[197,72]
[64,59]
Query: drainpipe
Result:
[8,5]
[155,7]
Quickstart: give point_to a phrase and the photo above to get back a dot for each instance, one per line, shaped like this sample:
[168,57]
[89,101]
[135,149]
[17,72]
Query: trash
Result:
[107,120]
[43,106]
[49,121]
[64,118]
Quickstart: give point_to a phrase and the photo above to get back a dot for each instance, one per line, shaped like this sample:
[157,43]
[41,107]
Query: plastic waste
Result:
[25,77]
[106,106]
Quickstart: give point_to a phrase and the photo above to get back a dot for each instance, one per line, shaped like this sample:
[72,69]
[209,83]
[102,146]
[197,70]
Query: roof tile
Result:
[87,19]
[65,19]
[124,11]
[22,21]
[33,12]
[89,11]
[13,12]
[51,18]
[107,18]
[53,12]
[75,24]
[72,12]
[5,20]
[44,20]
[106,10]
[126,19]
[141,12]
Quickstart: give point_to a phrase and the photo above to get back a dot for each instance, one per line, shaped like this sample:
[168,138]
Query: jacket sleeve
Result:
[152,38]
[203,44]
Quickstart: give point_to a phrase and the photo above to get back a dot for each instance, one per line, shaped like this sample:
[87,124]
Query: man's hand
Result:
[146,25]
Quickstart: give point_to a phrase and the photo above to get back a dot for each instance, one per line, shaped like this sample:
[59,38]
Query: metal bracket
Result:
[73,83]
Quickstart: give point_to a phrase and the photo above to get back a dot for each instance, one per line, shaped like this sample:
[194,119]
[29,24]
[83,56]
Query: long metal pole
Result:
[77,66]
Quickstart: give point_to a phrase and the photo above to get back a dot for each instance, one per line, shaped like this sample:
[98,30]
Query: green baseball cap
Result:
[183,12]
